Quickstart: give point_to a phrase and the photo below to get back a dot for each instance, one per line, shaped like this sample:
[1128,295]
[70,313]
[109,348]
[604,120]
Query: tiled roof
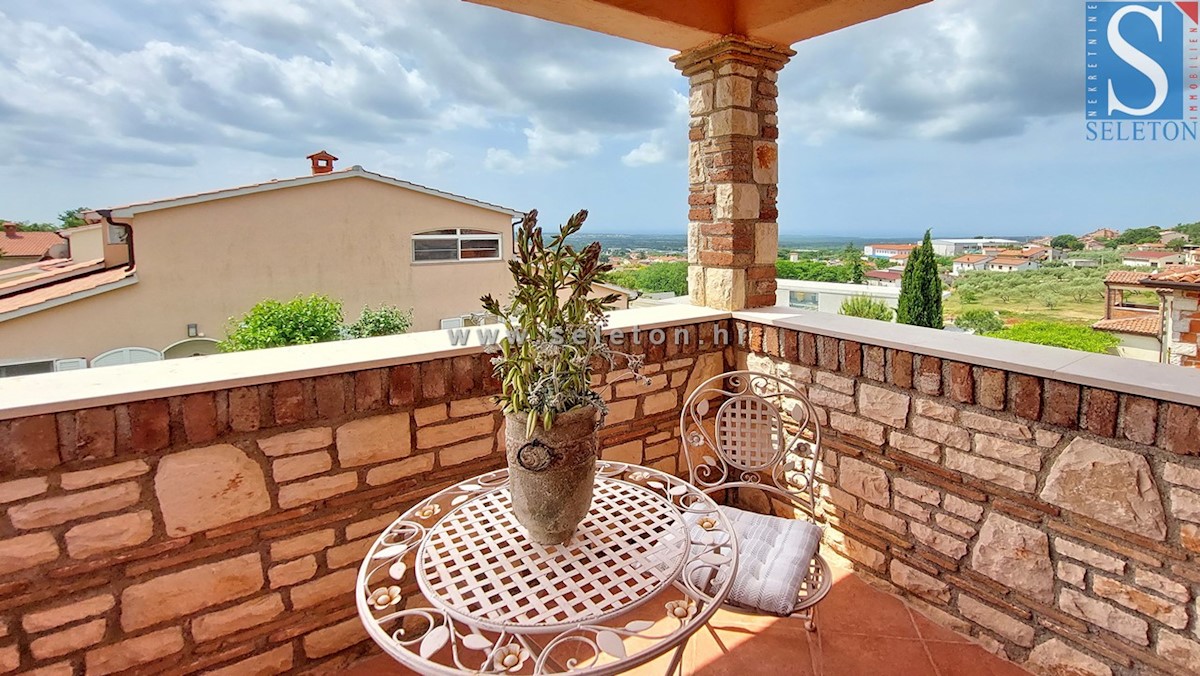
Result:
[22,243]
[896,247]
[972,258]
[1149,255]
[1125,277]
[886,275]
[51,292]
[152,205]
[45,272]
[1149,325]
[1009,261]
[1180,274]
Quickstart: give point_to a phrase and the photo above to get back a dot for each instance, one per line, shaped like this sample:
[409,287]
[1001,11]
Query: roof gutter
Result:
[106,214]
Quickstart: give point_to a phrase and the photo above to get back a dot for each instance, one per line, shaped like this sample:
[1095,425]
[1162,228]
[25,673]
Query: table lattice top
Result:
[478,564]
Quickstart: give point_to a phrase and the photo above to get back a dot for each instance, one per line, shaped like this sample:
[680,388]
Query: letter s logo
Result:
[1136,58]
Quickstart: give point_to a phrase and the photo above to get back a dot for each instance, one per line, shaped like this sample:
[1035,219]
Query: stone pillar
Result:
[733,164]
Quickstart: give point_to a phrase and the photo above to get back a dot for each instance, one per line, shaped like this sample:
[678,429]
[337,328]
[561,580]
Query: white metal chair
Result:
[763,436]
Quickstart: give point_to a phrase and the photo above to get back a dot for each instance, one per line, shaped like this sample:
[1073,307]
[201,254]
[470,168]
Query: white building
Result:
[829,296]
[958,247]
[971,262]
[1151,259]
[1011,265]
[887,250]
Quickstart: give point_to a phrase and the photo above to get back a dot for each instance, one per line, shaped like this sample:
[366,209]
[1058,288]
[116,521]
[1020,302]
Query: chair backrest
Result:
[762,434]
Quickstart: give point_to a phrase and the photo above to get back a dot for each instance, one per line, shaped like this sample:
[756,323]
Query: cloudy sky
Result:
[961,115]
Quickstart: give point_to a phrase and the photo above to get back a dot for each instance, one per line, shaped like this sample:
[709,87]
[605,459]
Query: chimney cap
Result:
[322,162]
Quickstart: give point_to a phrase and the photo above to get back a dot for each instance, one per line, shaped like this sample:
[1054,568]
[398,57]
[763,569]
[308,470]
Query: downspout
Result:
[1164,332]
[106,214]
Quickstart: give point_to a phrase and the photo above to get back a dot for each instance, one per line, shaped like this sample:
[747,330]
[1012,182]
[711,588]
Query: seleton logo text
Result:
[1143,71]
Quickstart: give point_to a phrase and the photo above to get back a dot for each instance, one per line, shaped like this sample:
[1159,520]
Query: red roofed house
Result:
[883,277]
[162,279]
[1151,259]
[1132,315]
[971,262]
[19,247]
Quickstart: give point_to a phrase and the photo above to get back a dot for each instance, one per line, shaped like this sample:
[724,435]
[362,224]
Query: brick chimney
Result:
[322,162]
[10,230]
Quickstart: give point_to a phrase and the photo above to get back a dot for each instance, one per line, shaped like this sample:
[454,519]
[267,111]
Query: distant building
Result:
[971,262]
[1102,233]
[1151,259]
[883,277]
[22,247]
[1011,264]
[1082,263]
[900,260]
[1168,236]
[958,247]
[887,250]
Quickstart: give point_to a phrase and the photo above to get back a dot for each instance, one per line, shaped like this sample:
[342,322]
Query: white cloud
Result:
[649,152]
[503,161]
[436,159]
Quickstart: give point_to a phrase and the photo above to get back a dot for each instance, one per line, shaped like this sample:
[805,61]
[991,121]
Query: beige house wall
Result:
[1145,348]
[204,263]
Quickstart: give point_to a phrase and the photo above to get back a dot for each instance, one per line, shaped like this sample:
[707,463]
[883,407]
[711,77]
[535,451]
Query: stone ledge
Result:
[24,396]
[1147,379]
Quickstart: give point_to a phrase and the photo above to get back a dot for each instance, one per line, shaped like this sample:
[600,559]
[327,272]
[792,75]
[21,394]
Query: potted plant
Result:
[545,365]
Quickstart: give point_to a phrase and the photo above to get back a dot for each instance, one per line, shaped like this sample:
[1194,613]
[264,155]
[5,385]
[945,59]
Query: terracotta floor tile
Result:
[858,608]
[970,660]
[857,655]
[861,632]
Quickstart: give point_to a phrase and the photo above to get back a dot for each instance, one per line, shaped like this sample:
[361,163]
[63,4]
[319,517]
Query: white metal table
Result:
[455,585]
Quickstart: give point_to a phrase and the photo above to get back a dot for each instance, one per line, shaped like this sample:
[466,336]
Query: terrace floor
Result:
[860,631]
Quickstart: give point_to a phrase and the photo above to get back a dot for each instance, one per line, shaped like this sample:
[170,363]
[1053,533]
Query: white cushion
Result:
[774,554]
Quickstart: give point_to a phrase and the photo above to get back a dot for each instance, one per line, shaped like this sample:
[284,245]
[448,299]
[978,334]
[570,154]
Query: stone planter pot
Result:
[551,473]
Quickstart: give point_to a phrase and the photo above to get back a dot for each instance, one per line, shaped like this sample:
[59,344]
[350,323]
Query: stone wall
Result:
[222,530]
[1183,326]
[1059,524]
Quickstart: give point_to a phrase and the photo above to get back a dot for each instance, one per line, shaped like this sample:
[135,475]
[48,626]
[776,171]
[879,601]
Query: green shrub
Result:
[1060,334]
[979,321]
[271,323]
[867,308]
[384,321]
[653,278]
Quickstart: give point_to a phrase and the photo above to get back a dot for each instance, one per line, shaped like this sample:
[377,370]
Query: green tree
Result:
[1068,242]
[856,273]
[921,289]
[812,271]
[72,218]
[866,308]
[271,323]
[1060,334]
[653,278]
[1139,236]
[979,321]
[383,321]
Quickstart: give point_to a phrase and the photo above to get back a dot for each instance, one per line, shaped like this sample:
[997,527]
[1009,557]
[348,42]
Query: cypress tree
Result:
[921,289]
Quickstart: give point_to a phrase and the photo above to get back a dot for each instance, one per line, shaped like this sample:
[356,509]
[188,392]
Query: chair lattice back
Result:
[749,432]
[763,435]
